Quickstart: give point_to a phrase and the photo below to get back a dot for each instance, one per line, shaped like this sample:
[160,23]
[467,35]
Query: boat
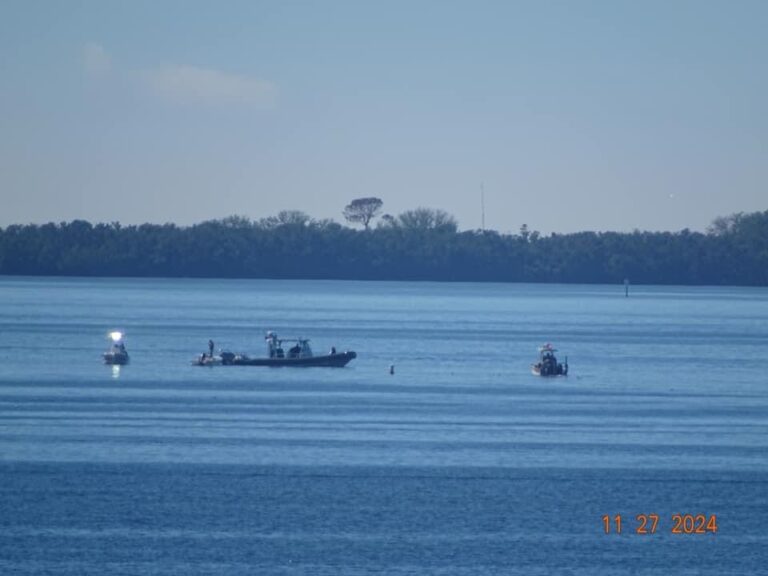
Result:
[209,360]
[117,355]
[548,364]
[299,355]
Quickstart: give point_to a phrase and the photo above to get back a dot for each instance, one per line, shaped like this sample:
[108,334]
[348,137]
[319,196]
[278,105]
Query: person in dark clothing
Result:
[210,348]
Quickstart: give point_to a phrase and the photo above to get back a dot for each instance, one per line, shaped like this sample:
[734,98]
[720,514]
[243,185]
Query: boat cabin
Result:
[301,348]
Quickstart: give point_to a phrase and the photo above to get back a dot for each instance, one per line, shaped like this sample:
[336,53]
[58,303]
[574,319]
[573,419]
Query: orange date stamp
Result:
[645,524]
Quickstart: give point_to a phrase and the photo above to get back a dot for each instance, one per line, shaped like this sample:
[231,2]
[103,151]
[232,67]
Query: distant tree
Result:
[285,218]
[293,217]
[235,221]
[427,219]
[387,221]
[362,210]
[723,225]
[326,224]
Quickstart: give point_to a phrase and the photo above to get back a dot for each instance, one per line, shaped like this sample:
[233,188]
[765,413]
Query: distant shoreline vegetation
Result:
[421,244]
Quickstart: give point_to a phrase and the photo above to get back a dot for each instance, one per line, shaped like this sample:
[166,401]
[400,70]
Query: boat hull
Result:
[559,371]
[116,359]
[337,360]
[207,361]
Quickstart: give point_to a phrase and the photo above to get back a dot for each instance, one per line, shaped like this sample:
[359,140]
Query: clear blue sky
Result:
[573,115]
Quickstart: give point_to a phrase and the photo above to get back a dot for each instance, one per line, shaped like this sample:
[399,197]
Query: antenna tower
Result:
[482,207]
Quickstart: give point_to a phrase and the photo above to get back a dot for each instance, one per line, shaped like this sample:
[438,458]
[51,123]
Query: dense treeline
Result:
[415,246]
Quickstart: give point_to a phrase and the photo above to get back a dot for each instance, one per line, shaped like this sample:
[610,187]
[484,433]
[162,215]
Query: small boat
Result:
[117,354]
[209,360]
[299,355]
[548,364]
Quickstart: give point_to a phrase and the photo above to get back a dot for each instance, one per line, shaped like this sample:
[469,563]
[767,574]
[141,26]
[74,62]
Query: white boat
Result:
[548,364]
[117,354]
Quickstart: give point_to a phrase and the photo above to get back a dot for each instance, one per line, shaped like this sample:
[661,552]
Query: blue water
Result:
[461,462]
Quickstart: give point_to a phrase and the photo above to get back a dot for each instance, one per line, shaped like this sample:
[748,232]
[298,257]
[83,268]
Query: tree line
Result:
[422,244]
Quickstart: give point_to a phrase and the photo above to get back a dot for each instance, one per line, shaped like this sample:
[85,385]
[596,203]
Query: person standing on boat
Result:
[210,348]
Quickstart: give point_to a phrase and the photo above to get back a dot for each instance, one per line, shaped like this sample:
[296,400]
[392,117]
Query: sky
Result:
[562,115]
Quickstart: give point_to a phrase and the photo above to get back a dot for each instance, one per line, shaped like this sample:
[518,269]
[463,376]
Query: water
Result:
[461,462]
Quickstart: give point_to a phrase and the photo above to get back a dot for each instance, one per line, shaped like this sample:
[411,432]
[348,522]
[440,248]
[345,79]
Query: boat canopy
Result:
[301,349]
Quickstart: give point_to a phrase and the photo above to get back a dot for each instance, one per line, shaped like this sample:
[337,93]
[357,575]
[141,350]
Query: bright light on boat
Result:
[116,336]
